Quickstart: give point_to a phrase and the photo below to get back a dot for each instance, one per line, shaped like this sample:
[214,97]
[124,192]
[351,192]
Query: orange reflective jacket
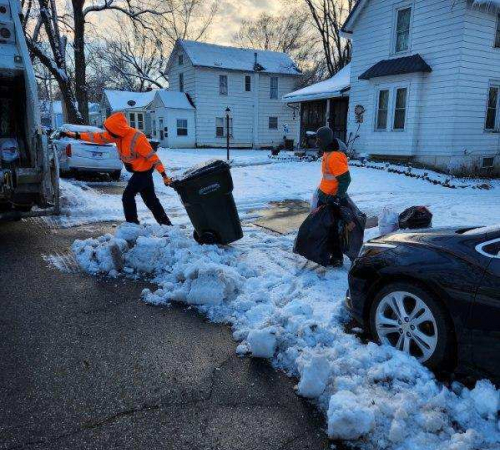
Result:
[133,147]
[333,165]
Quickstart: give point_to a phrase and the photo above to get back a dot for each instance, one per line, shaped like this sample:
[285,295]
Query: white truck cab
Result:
[29,174]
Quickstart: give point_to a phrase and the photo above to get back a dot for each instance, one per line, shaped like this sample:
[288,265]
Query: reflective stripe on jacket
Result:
[133,147]
[333,165]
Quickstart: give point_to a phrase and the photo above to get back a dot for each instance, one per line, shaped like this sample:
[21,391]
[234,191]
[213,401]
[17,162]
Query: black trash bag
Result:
[313,240]
[415,217]
[351,240]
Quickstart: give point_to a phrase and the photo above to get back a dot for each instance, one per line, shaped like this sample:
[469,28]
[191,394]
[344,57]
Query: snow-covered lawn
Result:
[290,311]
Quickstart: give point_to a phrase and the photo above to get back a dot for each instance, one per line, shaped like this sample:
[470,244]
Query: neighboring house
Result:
[132,104]
[51,113]
[323,103]
[172,119]
[427,74]
[95,117]
[249,82]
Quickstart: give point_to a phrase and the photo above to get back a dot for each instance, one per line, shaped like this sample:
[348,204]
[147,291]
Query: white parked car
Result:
[80,156]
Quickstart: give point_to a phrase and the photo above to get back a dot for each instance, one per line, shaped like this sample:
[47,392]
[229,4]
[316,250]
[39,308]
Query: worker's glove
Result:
[167,181]
[75,135]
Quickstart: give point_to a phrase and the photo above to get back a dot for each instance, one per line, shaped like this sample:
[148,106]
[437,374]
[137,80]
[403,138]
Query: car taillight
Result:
[68,150]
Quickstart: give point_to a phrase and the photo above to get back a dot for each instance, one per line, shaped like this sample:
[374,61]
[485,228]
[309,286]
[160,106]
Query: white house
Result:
[172,119]
[132,104]
[95,118]
[51,113]
[426,73]
[323,103]
[248,82]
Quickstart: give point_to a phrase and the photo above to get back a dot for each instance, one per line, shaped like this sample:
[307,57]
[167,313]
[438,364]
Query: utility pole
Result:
[228,130]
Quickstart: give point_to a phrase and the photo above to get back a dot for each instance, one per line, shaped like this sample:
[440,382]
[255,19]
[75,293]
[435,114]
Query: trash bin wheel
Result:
[207,237]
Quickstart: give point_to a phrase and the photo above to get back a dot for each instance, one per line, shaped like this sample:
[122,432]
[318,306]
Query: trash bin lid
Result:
[206,168]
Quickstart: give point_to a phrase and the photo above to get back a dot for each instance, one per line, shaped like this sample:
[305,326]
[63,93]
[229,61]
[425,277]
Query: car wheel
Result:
[115,176]
[407,317]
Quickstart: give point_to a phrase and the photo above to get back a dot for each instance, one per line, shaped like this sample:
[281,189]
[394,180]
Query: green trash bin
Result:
[207,194]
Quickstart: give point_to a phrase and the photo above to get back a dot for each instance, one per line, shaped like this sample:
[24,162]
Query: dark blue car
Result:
[433,293]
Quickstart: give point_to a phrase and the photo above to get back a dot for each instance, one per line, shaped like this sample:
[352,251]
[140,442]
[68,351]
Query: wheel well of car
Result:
[435,292]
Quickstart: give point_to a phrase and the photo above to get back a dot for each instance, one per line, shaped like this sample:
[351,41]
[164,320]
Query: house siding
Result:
[158,111]
[480,64]
[276,108]
[250,111]
[437,30]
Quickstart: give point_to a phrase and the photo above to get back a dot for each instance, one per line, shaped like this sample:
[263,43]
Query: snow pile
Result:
[280,309]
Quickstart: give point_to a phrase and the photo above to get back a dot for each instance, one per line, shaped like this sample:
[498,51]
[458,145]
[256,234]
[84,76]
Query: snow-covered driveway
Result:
[284,309]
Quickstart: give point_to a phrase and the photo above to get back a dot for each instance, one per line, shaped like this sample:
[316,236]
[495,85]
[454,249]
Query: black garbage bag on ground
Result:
[415,217]
[351,240]
[313,240]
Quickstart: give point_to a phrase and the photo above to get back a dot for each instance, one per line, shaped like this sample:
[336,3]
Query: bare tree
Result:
[137,58]
[47,43]
[284,33]
[289,32]
[70,24]
[328,17]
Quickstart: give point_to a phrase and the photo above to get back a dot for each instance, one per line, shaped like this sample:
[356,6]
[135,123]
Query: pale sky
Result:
[232,12]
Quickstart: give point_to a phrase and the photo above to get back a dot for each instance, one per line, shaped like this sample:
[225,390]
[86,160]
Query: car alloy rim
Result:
[404,321]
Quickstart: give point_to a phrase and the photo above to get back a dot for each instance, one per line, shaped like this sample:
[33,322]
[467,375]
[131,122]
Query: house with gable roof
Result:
[425,81]
[249,82]
[132,104]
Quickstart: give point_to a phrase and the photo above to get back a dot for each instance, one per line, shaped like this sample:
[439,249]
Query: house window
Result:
[248,83]
[497,33]
[274,87]
[491,110]
[403,21]
[488,162]
[140,121]
[153,122]
[400,108]
[220,127]
[182,127]
[222,84]
[181,82]
[273,123]
[131,119]
[382,109]
[181,59]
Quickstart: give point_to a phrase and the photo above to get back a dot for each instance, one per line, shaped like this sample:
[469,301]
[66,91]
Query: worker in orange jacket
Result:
[335,181]
[139,158]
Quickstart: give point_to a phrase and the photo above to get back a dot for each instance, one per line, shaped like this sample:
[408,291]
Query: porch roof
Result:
[336,86]
[397,66]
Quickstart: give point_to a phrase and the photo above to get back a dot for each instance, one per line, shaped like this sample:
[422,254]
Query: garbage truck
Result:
[29,173]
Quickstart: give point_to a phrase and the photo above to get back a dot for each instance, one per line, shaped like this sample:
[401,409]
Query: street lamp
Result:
[228,130]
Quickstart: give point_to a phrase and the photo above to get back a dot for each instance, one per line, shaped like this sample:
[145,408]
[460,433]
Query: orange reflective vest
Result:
[333,165]
[133,147]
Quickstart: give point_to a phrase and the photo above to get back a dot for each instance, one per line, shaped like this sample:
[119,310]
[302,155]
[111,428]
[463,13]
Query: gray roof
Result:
[203,54]
[397,66]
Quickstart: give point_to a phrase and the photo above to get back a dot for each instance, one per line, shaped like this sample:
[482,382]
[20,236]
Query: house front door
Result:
[337,120]
[312,117]
[163,135]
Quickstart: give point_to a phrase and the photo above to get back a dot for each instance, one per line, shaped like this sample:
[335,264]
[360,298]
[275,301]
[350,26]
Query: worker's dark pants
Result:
[142,183]
[334,237]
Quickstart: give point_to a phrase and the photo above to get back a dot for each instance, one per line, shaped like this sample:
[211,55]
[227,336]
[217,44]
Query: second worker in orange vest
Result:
[335,179]
[139,158]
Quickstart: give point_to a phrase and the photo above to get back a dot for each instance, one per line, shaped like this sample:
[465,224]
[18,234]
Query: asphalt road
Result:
[84,364]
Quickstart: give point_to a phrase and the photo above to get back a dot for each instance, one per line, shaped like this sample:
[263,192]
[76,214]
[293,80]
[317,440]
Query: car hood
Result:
[460,241]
